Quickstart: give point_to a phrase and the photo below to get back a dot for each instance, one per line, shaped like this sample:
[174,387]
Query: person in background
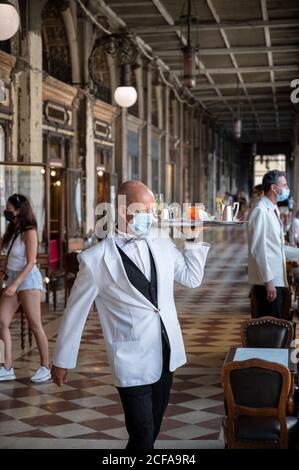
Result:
[291,211]
[227,198]
[219,198]
[294,230]
[257,194]
[243,205]
[266,251]
[24,284]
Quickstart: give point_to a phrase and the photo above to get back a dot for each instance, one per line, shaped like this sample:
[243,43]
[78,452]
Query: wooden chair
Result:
[267,332]
[56,276]
[71,267]
[256,394]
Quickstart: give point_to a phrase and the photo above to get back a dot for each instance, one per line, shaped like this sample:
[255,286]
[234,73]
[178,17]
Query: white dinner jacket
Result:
[130,322]
[266,253]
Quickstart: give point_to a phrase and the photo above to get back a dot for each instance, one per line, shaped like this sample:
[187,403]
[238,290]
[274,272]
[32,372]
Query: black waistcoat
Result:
[136,277]
[147,288]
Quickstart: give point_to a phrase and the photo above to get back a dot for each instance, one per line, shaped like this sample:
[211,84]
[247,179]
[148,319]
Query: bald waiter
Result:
[130,275]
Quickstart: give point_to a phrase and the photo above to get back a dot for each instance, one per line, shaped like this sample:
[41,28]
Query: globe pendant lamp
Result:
[9,20]
[238,121]
[238,128]
[125,95]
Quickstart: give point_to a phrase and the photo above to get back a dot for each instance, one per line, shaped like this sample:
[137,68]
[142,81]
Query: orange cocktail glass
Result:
[193,213]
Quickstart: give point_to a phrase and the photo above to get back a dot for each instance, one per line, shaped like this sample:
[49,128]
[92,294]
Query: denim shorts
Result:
[33,280]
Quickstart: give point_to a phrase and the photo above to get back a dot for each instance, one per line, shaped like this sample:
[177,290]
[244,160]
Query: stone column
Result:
[165,146]
[121,146]
[196,158]
[90,167]
[192,156]
[181,154]
[31,101]
[146,166]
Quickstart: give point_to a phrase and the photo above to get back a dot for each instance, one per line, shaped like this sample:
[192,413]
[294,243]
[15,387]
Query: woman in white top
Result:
[23,282]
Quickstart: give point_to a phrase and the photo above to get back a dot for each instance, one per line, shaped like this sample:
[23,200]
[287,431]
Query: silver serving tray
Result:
[198,223]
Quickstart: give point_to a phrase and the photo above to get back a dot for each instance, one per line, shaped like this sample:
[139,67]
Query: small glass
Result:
[194,212]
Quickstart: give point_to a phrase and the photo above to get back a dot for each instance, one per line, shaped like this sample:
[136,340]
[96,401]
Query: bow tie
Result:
[128,238]
[133,239]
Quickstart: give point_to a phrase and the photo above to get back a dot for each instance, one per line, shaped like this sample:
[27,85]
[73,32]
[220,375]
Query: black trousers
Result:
[264,307]
[145,405]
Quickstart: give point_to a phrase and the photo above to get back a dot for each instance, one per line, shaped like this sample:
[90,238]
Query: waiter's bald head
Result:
[136,192]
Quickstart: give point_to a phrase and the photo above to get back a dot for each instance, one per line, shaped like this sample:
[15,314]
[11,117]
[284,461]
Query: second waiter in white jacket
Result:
[130,278]
[267,252]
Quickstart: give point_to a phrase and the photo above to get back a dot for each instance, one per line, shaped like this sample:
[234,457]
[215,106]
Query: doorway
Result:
[57,217]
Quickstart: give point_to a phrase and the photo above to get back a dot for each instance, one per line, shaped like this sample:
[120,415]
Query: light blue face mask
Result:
[141,223]
[285,192]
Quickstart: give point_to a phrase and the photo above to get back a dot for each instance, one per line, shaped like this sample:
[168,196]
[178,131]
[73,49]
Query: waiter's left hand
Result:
[59,375]
[192,232]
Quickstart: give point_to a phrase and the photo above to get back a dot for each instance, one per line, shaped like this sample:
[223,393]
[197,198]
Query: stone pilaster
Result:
[147,130]
[30,110]
[90,167]
[165,145]
[180,164]
[121,146]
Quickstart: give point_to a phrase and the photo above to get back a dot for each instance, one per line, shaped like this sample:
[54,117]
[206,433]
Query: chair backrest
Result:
[53,251]
[256,388]
[267,332]
[71,263]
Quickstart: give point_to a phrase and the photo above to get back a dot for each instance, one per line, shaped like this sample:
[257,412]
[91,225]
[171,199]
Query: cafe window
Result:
[133,155]
[30,181]
[155,164]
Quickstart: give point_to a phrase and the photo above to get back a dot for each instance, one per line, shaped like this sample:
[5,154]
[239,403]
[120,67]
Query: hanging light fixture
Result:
[238,121]
[123,48]
[9,20]
[125,95]
[189,52]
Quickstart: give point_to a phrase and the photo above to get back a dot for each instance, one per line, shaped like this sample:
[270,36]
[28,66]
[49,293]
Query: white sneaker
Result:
[6,374]
[42,374]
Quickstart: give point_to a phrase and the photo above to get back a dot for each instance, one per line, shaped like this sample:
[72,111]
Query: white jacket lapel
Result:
[272,218]
[152,244]
[116,268]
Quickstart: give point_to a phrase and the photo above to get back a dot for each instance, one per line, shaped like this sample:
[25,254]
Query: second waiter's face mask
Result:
[283,195]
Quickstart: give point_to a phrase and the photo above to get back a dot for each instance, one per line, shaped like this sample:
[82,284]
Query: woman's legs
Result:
[30,300]
[8,307]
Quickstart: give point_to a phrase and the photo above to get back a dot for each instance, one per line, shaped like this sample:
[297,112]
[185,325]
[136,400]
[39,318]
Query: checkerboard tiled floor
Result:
[87,412]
